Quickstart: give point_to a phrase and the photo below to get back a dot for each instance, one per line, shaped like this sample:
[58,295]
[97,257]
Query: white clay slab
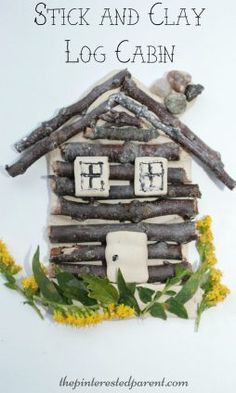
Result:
[128,252]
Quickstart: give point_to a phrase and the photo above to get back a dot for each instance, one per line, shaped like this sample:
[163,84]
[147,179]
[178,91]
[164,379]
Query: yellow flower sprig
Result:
[59,296]
[29,285]
[8,266]
[214,290]
[87,317]
[9,269]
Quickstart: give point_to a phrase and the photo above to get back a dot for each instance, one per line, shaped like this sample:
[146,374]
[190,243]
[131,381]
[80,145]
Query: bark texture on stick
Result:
[156,273]
[120,172]
[84,253]
[58,137]
[134,211]
[179,132]
[124,153]
[120,119]
[63,186]
[173,191]
[65,114]
[122,134]
[178,233]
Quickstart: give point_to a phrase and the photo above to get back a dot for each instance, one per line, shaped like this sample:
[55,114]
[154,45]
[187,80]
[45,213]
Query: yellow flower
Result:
[204,223]
[29,283]
[217,294]
[90,318]
[7,263]
[211,259]
[206,237]
[59,317]
[77,319]
[111,308]
[123,311]
[215,275]
[205,241]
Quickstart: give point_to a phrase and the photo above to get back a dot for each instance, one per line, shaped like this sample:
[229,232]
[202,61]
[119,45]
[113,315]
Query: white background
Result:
[35,82]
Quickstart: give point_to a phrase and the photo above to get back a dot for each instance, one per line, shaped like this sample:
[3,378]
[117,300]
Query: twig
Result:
[84,253]
[119,172]
[122,134]
[63,186]
[134,211]
[178,233]
[65,114]
[124,153]
[159,273]
[58,137]
[177,131]
[120,119]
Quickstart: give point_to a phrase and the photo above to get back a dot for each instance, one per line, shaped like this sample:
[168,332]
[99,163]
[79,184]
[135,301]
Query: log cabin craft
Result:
[123,206]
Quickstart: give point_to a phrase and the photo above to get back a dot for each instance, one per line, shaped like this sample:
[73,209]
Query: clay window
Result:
[91,176]
[150,176]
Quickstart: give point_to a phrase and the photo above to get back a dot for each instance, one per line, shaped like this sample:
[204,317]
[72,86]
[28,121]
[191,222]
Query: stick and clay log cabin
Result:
[120,179]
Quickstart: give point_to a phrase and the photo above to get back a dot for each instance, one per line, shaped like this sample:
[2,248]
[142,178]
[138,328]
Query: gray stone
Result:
[161,88]
[192,91]
[178,80]
[176,103]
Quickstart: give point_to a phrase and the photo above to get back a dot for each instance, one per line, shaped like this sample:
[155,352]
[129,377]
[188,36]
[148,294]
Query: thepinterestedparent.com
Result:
[131,383]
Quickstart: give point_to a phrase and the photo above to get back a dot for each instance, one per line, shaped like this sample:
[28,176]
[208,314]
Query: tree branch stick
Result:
[122,134]
[119,172]
[177,131]
[84,253]
[120,119]
[64,186]
[178,233]
[65,114]
[124,153]
[134,211]
[58,137]
[159,273]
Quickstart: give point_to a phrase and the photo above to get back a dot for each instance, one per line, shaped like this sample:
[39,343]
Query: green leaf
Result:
[46,286]
[132,287]
[145,294]
[74,288]
[10,278]
[101,289]
[11,285]
[190,287]
[158,311]
[158,294]
[68,280]
[125,295]
[170,293]
[31,303]
[176,308]
[180,273]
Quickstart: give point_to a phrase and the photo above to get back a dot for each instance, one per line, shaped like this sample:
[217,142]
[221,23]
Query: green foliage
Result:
[176,308]
[101,289]
[73,288]
[11,285]
[125,294]
[170,293]
[190,287]
[132,287]
[157,310]
[47,287]
[145,294]
[180,274]
[94,293]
